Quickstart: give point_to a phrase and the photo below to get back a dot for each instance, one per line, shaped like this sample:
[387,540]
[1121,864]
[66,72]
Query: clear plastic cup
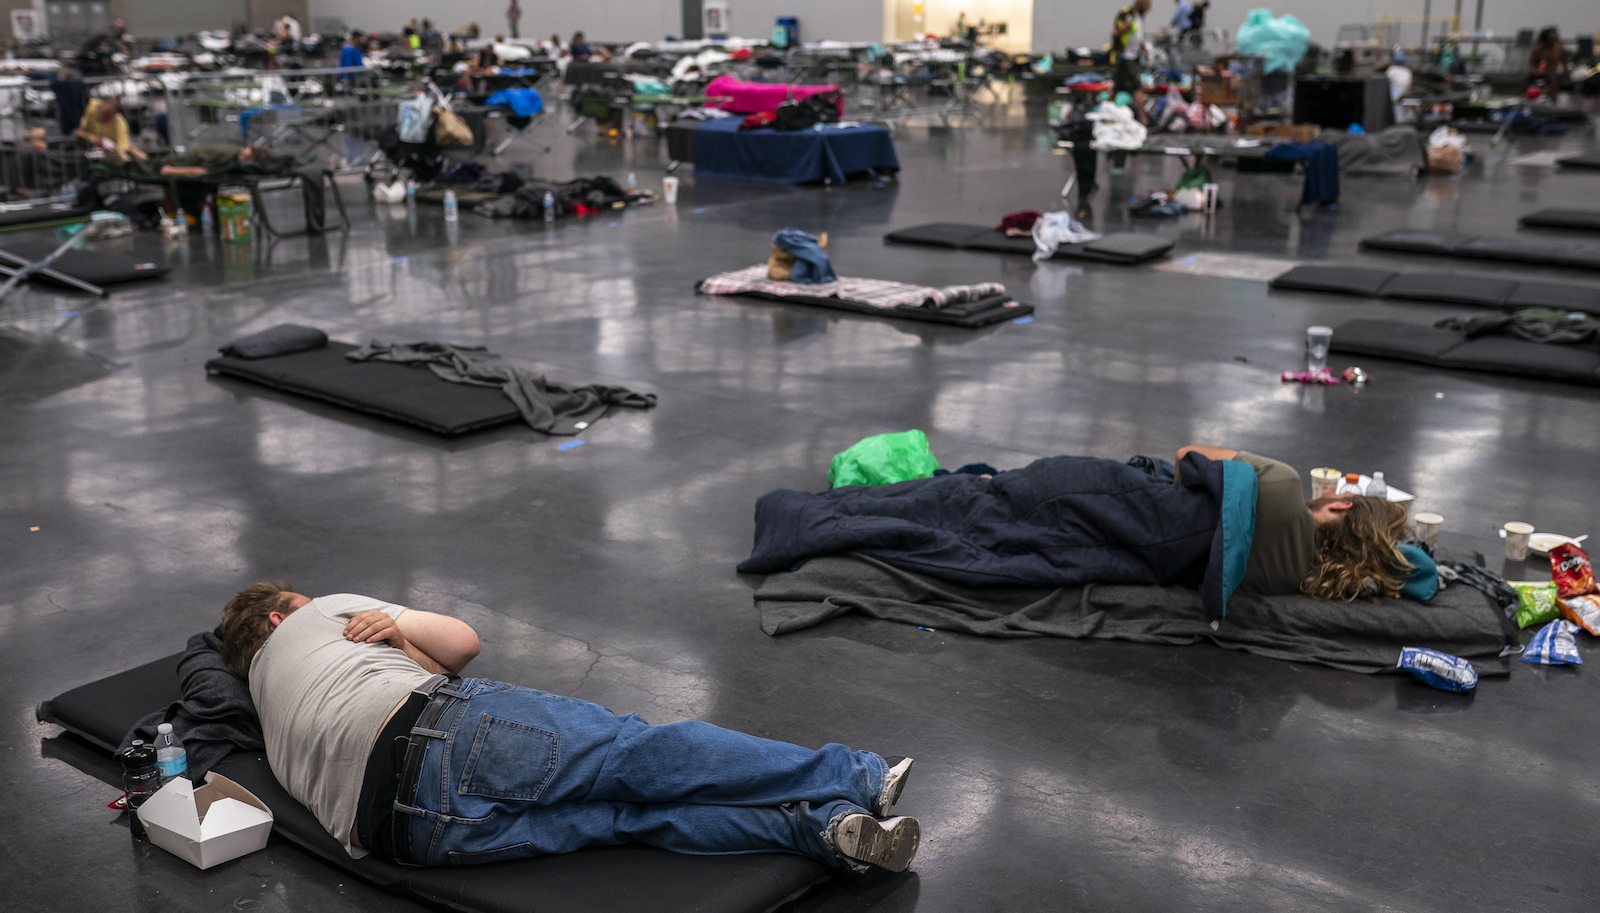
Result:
[1317,341]
[1428,526]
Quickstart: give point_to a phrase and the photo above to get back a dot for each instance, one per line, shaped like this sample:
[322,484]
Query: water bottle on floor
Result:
[451,211]
[1377,488]
[171,760]
[633,184]
[140,779]
[549,206]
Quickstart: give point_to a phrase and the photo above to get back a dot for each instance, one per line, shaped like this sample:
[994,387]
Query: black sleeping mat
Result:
[1586,160]
[970,314]
[404,393]
[97,267]
[1529,249]
[1574,219]
[600,880]
[43,215]
[1447,288]
[1121,247]
[1449,349]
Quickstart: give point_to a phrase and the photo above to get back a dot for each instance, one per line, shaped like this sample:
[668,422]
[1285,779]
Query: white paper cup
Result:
[1325,482]
[1517,540]
[669,189]
[1428,528]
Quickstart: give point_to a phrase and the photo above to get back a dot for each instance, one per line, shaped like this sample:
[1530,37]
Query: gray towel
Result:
[216,714]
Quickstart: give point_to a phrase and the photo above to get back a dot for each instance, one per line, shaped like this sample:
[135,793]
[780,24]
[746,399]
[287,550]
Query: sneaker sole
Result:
[896,784]
[889,844]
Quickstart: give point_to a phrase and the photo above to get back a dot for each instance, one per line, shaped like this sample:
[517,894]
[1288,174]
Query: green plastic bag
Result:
[883,459]
[1196,177]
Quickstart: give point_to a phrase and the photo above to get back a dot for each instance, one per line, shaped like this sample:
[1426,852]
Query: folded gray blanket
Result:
[1361,636]
[283,339]
[551,408]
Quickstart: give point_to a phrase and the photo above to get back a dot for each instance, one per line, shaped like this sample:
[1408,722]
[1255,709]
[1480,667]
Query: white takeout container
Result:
[206,825]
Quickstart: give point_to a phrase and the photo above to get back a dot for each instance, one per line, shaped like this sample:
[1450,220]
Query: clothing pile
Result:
[877,293]
[1541,325]
[1115,128]
[581,196]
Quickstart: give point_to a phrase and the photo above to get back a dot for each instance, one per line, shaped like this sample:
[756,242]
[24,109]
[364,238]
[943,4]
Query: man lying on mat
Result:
[367,724]
[1329,548]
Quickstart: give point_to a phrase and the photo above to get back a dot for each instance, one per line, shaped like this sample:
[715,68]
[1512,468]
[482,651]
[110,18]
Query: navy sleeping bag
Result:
[1060,521]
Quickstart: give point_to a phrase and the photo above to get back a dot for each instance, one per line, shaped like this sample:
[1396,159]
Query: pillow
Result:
[283,339]
[1424,581]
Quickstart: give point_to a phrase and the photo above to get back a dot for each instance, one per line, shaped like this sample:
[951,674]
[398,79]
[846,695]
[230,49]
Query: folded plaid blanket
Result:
[878,293]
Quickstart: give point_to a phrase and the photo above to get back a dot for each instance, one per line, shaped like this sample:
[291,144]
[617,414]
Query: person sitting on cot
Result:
[367,723]
[104,127]
[1330,548]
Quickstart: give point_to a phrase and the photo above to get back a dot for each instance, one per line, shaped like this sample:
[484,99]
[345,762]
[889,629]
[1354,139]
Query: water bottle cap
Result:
[1377,475]
[164,728]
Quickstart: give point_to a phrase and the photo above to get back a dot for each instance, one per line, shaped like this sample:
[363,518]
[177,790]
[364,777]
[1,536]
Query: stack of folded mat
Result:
[1449,288]
[1121,247]
[1530,249]
[960,305]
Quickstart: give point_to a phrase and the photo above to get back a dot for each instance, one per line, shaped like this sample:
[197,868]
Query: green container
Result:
[884,459]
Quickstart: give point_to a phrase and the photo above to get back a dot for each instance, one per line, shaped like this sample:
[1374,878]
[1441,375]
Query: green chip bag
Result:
[1536,604]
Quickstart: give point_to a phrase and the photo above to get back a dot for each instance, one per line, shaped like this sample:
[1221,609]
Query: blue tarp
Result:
[522,102]
[722,150]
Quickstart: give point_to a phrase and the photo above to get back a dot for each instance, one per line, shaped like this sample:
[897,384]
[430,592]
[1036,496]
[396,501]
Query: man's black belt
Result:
[395,765]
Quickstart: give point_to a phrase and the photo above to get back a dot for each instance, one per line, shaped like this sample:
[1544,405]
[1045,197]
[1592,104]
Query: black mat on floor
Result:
[1586,160]
[1512,249]
[1449,288]
[600,880]
[42,215]
[1575,219]
[97,267]
[971,314]
[405,393]
[1122,247]
[1449,349]
[1356,637]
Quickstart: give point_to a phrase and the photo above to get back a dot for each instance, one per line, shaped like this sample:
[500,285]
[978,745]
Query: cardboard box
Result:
[206,825]
[1300,133]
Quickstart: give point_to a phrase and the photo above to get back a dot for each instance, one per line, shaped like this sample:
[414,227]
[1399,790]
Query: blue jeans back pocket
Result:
[509,760]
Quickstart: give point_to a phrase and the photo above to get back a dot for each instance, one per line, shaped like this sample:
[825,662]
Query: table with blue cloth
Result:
[722,150]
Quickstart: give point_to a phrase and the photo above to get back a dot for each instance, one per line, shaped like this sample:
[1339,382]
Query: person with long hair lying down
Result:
[1339,547]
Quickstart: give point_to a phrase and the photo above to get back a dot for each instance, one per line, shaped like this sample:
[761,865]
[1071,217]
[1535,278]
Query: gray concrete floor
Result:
[1051,775]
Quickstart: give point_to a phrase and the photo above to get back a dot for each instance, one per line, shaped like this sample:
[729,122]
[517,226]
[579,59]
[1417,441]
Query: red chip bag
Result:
[1569,568]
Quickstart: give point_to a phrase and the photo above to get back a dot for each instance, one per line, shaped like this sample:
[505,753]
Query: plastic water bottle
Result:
[170,757]
[205,219]
[69,192]
[182,230]
[411,190]
[633,184]
[451,211]
[140,779]
[549,206]
[1377,488]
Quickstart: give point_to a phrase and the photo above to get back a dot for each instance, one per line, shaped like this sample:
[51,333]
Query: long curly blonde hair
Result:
[1358,555]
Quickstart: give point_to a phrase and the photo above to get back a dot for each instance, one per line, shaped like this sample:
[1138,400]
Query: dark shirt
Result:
[72,98]
[580,51]
[1285,542]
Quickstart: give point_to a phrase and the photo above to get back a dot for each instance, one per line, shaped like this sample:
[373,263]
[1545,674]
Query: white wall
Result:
[1059,24]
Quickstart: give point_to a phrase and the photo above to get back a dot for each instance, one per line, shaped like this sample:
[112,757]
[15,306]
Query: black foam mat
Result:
[1447,288]
[599,880]
[1539,251]
[1575,219]
[97,267]
[1586,160]
[1450,349]
[971,314]
[1119,247]
[43,214]
[406,393]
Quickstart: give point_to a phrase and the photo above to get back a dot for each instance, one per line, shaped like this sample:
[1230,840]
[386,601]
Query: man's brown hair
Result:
[244,623]
[1357,554]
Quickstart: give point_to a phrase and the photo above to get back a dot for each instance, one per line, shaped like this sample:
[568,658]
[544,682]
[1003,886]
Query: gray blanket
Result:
[216,714]
[1393,151]
[551,408]
[1358,637]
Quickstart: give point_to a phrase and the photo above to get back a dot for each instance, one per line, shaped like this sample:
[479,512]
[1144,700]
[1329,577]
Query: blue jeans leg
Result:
[522,772]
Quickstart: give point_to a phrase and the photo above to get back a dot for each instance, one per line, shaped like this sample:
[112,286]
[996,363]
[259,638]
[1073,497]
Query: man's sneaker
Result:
[894,782]
[888,844]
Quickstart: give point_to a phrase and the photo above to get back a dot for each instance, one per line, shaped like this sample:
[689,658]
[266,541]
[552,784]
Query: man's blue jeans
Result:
[521,772]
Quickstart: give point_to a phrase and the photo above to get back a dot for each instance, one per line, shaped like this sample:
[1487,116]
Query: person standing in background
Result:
[350,55]
[514,18]
[1127,54]
[72,98]
[1547,65]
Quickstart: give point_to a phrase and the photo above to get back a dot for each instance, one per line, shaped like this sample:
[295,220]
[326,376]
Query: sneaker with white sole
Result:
[894,782]
[888,844]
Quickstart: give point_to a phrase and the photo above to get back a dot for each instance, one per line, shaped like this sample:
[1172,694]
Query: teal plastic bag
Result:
[883,459]
[1282,41]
